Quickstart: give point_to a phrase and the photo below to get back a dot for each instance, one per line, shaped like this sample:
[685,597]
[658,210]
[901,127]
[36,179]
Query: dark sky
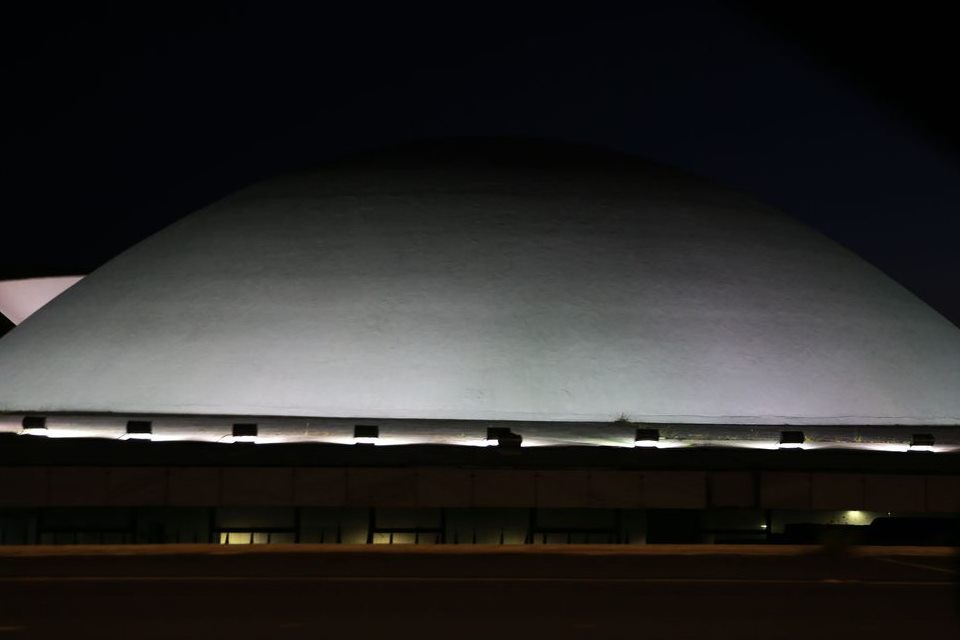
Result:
[123,117]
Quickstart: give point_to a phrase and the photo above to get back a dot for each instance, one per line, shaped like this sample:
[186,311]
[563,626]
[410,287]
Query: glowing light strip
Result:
[536,435]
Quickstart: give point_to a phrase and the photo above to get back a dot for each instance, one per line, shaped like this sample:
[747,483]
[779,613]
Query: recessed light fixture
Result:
[139,430]
[365,433]
[34,426]
[922,442]
[245,432]
[646,438]
[792,439]
[504,438]
[494,434]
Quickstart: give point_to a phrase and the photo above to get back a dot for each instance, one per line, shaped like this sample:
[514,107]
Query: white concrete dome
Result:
[499,282]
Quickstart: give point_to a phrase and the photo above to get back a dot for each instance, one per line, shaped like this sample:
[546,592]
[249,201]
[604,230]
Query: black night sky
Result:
[124,117]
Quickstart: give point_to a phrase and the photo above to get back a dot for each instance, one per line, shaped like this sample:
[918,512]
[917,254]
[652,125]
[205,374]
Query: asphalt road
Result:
[403,594]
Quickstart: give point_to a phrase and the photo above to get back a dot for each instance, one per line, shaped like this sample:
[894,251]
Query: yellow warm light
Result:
[857,517]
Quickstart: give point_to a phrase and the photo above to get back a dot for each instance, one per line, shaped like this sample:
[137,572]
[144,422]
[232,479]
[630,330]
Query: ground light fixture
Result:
[504,438]
[244,432]
[792,439]
[365,433]
[139,430]
[647,438]
[922,442]
[34,426]
[494,434]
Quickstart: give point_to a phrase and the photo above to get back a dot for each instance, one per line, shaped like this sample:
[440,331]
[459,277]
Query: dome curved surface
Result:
[566,286]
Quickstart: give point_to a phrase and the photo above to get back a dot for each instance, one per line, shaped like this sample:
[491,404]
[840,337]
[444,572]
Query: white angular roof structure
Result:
[20,299]
[507,283]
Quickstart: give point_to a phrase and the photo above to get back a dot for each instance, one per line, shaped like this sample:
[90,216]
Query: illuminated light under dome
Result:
[647,438]
[504,437]
[490,283]
[244,432]
[34,426]
[139,430]
[366,434]
[792,440]
[922,442]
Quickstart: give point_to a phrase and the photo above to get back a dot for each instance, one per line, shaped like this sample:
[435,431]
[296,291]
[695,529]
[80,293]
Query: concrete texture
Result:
[428,487]
[504,288]
[471,592]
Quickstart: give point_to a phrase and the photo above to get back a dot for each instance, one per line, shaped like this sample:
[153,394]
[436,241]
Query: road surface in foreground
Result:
[463,592]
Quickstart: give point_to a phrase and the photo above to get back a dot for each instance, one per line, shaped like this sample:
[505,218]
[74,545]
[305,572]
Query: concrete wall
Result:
[494,488]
